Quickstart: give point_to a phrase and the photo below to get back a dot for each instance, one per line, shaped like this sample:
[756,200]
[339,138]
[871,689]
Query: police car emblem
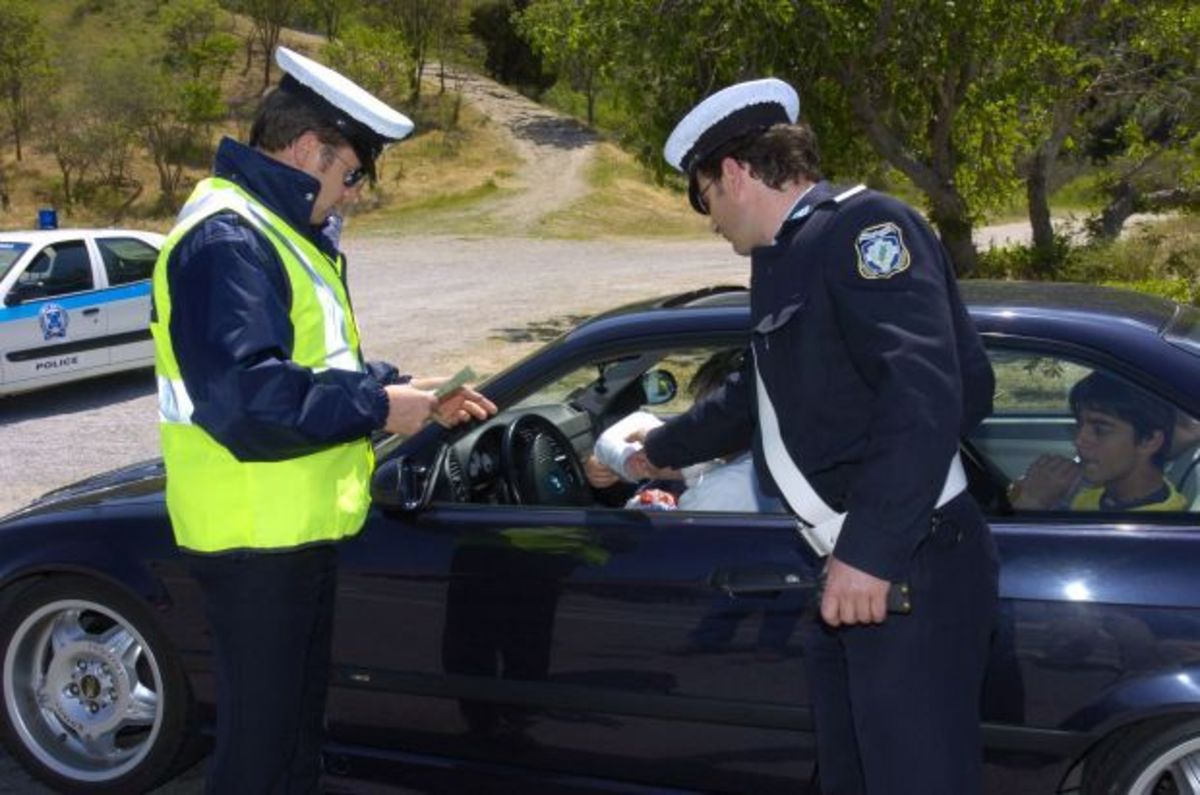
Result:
[54,320]
[881,252]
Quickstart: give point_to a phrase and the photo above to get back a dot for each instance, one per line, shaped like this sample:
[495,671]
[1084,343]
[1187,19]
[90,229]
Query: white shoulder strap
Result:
[820,524]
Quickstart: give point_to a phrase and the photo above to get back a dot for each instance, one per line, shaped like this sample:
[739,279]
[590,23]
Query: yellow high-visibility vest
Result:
[215,501]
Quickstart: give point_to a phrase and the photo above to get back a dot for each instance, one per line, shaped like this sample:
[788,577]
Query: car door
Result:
[652,647]
[657,647]
[128,263]
[1099,619]
[54,325]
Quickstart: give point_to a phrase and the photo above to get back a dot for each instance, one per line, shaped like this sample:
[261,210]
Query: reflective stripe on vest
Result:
[217,502]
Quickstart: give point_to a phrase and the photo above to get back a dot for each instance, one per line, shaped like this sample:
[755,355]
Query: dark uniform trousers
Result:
[896,705]
[271,615]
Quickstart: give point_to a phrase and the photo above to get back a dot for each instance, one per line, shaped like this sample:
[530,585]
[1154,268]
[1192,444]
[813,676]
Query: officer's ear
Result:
[735,176]
[304,152]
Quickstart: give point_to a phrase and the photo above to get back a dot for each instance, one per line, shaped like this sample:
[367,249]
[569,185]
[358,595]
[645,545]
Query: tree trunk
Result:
[1107,226]
[267,68]
[950,214]
[1037,194]
[249,55]
[954,225]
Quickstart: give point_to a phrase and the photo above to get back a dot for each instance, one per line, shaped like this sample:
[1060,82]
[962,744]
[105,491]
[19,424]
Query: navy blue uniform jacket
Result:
[874,380]
[230,299]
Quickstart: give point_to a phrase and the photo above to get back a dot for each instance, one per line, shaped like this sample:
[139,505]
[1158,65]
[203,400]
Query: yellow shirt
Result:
[1091,500]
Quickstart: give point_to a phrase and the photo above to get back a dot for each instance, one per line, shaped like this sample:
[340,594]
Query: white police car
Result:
[74,303]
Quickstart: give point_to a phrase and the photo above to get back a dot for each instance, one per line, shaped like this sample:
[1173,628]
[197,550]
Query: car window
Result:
[9,253]
[58,269]
[1070,437]
[662,383]
[126,259]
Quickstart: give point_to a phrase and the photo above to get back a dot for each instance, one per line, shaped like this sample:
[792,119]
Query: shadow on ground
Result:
[538,330]
[93,393]
[560,133]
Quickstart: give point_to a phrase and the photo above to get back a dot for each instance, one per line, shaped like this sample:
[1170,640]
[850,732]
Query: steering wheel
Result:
[540,465]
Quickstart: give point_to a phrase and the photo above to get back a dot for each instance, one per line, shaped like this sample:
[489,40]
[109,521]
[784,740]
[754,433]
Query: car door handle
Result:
[94,310]
[761,579]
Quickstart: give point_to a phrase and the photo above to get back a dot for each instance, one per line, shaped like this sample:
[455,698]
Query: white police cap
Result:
[733,111]
[368,123]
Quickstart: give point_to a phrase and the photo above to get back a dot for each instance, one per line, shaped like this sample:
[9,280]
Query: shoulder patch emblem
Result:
[881,252]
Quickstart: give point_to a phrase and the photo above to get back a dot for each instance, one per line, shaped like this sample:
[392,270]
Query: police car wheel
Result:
[95,700]
[1155,757]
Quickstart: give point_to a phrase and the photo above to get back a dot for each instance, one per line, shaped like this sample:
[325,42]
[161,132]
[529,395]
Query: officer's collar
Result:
[799,209]
[287,191]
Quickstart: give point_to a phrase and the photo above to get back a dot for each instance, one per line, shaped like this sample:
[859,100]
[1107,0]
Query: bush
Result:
[1027,262]
[1174,289]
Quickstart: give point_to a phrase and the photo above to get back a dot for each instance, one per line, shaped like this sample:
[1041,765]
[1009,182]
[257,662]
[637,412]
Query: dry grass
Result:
[624,202]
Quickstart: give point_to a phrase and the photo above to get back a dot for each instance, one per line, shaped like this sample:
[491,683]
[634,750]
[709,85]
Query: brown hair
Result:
[282,117]
[782,153]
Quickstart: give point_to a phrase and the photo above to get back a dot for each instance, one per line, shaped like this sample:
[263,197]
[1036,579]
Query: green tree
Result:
[421,23]
[508,57]
[375,57]
[667,56]
[66,134]
[198,43]
[577,38]
[1155,159]
[332,15]
[24,63]
[929,84]
[267,19]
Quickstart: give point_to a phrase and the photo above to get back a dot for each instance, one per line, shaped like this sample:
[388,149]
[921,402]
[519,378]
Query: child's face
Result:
[1108,447]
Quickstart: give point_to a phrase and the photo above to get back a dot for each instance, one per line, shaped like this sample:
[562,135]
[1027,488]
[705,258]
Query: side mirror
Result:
[659,387]
[401,484]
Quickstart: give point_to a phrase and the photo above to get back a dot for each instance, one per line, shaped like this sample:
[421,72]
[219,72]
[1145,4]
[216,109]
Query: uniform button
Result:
[308,197]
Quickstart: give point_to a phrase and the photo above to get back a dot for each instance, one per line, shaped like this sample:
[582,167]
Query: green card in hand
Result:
[455,381]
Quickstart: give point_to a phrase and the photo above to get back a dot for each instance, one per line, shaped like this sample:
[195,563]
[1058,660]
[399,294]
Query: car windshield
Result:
[10,252]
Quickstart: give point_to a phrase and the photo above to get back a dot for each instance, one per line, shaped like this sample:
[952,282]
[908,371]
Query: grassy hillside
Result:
[444,178]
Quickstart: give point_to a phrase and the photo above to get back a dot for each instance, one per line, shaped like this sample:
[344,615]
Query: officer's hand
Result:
[638,467]
[462,405]
[409,408]
[852,596]
[597,474]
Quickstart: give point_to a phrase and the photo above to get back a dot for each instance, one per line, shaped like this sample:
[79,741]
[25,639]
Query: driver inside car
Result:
[724,484]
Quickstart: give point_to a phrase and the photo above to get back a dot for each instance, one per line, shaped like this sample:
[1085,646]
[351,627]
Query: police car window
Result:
[126,259]
[1069,437]
[9,254]
[59,269]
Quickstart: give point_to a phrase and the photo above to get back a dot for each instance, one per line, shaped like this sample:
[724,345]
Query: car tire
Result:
[1146,759]
[95,699]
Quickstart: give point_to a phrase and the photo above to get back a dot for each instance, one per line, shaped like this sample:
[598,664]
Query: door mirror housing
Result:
[403,484]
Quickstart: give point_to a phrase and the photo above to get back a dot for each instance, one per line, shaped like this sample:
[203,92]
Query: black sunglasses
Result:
[354,175]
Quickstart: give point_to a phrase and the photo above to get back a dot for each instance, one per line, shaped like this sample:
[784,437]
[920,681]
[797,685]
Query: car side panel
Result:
[48,341]
[573,639]
[1091,618]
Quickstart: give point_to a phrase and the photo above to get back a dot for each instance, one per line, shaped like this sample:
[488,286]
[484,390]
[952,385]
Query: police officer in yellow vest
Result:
[266,406]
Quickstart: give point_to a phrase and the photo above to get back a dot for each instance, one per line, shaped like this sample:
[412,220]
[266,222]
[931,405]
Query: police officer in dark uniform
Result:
[866,372]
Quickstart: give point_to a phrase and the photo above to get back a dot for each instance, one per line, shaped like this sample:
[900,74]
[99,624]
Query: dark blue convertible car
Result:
[503,627]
